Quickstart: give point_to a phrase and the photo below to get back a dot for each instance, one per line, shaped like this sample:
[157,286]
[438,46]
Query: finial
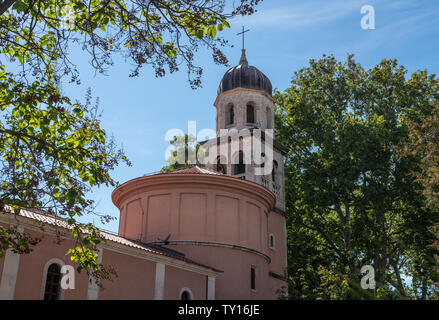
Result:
[243,59]
[243,33]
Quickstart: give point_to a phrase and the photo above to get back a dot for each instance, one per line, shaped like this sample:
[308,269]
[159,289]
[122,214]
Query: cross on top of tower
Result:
[243,33]
[243,60]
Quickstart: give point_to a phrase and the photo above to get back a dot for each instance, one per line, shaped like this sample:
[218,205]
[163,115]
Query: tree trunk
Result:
[399,285]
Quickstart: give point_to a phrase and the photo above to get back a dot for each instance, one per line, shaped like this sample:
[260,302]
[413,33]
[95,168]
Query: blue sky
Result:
[283,36]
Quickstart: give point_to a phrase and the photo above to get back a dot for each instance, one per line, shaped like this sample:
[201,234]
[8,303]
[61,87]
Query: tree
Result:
[184,153]
[424,142]
[351,197]
[52,151]
[161,33]
[53,148]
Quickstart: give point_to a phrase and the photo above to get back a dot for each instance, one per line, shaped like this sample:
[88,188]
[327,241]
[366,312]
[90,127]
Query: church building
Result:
[213,231]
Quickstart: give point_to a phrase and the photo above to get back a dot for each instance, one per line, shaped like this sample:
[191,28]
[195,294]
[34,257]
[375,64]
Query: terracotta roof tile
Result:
[47,218]
[194,169]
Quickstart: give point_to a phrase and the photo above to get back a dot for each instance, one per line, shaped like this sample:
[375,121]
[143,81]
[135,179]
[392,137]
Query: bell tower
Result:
[244,99]
[245,109]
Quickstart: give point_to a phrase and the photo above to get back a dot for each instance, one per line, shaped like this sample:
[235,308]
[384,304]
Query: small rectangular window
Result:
[253,278]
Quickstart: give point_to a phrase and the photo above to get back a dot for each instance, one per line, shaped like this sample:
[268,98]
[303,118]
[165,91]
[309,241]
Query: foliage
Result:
[160,33]
[351,197]
[185,153]
[424,142]
[53,150]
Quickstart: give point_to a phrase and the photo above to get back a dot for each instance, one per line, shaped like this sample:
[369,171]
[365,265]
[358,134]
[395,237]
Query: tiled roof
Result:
[195,169]
[50,219]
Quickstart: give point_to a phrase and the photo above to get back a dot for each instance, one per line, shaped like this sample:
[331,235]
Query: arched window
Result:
[268,114]
[230,114]
[273,171]
[250,113]
[239,167]
[186,294]
[53,282]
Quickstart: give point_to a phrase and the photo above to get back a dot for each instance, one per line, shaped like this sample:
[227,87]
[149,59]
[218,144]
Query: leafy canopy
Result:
[352,199]
[52,147]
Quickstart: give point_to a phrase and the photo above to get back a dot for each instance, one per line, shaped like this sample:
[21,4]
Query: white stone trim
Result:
[44,277]
[159,287]
[210,288]
[93,288]
[9,273]
[191,295]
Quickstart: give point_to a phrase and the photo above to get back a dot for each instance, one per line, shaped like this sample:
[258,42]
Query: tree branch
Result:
[4,5]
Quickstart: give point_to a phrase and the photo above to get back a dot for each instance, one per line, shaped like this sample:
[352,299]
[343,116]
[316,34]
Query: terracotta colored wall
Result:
[276,287]
[177,279]
[158,213]
[30,270]
[276,226]
[194,212]
[193,207]
[136,277]
[234,283]
[213,211]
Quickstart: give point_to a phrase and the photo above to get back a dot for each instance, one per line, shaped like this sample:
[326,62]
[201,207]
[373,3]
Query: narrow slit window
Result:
[271,241]
[253,278]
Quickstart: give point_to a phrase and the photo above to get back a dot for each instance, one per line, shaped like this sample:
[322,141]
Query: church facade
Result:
[202,232]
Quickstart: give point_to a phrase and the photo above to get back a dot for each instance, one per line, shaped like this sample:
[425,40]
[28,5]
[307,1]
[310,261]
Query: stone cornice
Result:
[279,211]
[217,244]
[228,92]
[277,276]
[230,184]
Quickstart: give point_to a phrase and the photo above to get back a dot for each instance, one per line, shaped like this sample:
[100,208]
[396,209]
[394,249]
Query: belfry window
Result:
[268,114]
[230,115]
[53,282]
[250,114]
[239,167]
[273,171]
[220,167]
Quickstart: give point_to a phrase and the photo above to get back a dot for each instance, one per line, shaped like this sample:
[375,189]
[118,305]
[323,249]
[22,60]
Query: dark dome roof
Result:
[244,76]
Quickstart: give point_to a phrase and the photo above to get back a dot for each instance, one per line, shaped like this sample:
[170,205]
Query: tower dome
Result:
[244,76]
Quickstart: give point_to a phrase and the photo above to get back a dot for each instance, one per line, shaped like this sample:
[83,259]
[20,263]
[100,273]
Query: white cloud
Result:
[402,27]
[302,14]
